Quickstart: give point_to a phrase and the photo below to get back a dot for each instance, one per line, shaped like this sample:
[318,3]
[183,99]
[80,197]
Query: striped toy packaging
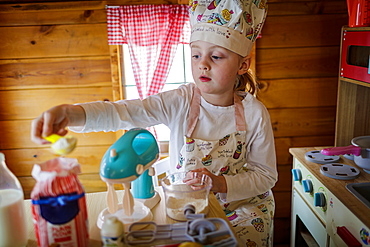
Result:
[59,205]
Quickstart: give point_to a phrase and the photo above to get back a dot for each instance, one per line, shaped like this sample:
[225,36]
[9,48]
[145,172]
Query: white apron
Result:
[252,218]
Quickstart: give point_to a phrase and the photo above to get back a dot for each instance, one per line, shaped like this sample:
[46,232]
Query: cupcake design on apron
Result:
[258,224]
[263,208]
[190,143]
[231,215]
[207,160]
[250,243]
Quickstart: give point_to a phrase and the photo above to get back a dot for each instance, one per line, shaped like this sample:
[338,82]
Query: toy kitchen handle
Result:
[351,149]
[347,237]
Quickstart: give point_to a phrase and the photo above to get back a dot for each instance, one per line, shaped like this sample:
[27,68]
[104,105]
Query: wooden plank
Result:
[54,41]
[116,71]
[55,73]
[352,113]
[282,145]
[25,18]
[16,134]
[296,31]
[311,92]
[302,7]
[23,6]
[28,104]
[21,161]
[303,121]
[306,62]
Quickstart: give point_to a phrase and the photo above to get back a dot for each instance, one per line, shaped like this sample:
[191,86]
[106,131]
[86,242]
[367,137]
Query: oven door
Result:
[344,228]
[355,56]
[307,229]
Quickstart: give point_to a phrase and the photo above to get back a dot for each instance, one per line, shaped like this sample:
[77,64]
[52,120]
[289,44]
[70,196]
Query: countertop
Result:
[96,202]
[337,186]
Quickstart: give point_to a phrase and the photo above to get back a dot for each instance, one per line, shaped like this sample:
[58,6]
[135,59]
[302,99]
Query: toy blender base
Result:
[141,213]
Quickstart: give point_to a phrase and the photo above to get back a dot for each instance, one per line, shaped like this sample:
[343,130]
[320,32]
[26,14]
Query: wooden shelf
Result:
[353,106]
[360,83]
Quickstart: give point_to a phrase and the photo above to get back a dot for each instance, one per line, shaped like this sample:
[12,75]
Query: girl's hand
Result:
[55,120]
[218,182]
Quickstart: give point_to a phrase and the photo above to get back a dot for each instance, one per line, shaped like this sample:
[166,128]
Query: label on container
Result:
[65,234]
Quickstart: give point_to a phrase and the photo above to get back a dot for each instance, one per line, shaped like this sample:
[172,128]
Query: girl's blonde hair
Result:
[247,82]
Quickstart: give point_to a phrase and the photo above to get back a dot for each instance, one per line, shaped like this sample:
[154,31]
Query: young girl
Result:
[217,128]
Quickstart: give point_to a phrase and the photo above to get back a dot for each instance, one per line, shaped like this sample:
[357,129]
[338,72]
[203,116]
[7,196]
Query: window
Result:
[180,73]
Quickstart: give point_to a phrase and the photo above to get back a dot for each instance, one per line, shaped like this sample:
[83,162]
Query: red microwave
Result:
[355,55]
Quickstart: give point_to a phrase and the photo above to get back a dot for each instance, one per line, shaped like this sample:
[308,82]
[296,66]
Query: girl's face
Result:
[215,69]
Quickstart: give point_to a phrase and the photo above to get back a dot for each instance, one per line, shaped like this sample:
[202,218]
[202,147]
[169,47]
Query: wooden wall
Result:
[54,53]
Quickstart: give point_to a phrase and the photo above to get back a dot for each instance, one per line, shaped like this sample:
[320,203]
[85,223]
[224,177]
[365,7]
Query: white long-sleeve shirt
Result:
[171,108]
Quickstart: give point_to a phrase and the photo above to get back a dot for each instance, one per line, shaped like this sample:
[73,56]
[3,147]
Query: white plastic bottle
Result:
[112,232]
[13,225]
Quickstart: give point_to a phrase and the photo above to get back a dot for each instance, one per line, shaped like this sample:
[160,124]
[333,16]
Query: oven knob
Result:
[297,174]
[307,185]
[319,199]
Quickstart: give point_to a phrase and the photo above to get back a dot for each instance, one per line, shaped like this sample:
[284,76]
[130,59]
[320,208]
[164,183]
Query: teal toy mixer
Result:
[129,162]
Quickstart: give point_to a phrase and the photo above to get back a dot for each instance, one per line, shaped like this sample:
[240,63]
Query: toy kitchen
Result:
[330,200]
[331,185]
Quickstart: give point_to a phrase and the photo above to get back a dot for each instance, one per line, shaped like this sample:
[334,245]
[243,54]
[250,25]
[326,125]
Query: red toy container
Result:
[359,13]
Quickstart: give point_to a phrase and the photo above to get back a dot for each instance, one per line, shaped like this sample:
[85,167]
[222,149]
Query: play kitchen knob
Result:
[297,174]
[307,185]
[319,200]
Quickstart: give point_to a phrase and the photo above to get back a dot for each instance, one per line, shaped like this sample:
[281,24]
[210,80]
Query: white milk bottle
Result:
[13,226]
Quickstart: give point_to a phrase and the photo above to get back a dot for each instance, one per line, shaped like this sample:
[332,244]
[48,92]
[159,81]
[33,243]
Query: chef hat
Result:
[232,24]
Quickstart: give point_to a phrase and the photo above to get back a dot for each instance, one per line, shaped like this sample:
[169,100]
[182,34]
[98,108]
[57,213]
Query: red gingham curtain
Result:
[152,33]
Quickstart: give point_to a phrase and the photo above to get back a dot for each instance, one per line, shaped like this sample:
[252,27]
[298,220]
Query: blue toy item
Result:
[126,161]
[129,156]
